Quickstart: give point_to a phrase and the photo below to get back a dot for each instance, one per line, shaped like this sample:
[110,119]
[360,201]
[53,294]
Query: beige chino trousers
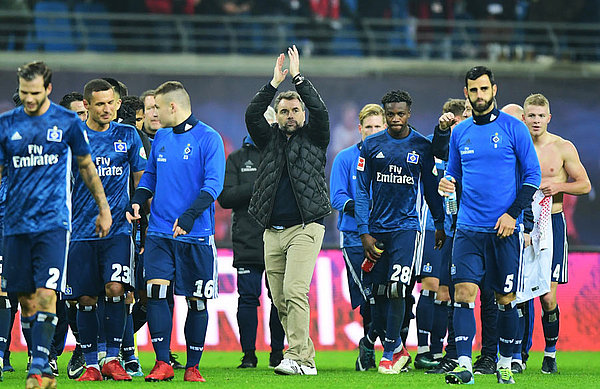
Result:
[290,257]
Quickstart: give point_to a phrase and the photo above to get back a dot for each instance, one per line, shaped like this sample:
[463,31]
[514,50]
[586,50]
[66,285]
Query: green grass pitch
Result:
[336,370]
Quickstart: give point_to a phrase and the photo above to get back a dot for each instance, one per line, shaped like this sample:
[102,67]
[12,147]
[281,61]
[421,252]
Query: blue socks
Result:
[160,324]
[195,331]
[520,332]
[128,342]
[507,329]
[550,324]
[4,323]
[395,318]
[114,324]
[424,318]
[464,328]
[42,332]
[87,322]
[439,326]
[247,319]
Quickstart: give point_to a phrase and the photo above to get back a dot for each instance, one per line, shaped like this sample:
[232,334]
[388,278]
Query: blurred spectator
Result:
[344,132]
[494,35]
[15,27]
[165,33]
[433,40]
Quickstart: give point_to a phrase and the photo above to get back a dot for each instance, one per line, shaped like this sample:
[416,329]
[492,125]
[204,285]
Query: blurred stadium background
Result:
[354,51]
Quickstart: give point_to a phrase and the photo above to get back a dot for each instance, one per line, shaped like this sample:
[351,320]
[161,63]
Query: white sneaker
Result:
[288,367]
[307,370]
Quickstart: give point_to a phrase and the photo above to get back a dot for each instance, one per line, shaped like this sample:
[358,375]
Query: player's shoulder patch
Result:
[143,153]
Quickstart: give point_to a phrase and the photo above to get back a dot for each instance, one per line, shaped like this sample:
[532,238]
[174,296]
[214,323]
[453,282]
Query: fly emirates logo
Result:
[36,157]
[104,168]
[395,176]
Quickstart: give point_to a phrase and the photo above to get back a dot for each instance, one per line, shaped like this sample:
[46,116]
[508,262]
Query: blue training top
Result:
[182,163]
[343,189]
[393,169]
[116,152]
[492,159]
[37,152]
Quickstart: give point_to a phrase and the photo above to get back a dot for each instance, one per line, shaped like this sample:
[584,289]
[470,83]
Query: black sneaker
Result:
[275,358]
[425,361]
[505,376]
[549,365]
[484,364]
[249,360]
[76,365]
[516,367]
[174,362]
[366,357]
[460,376]
[446,365]
[53,366]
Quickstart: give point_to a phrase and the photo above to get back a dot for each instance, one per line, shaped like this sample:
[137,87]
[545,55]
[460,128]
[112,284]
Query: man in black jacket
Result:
[248,255]
[290,201]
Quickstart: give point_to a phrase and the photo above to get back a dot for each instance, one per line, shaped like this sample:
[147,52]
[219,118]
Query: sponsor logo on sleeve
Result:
[361,164]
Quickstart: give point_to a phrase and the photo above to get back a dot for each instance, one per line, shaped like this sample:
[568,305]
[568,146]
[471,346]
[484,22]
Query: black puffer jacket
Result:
[305,153]
[240,173]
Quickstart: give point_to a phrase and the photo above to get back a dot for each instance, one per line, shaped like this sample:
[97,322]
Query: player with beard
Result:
[36,147]
[486,250]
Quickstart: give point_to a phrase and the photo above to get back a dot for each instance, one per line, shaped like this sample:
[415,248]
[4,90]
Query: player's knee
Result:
[196,304]
[443,294]
[248,300]
[465,293]
[129,299]
[45,299]
[548,302]
[87,300]
[430,283]
[156,291]
[114,289]
[505,299]
[395,290]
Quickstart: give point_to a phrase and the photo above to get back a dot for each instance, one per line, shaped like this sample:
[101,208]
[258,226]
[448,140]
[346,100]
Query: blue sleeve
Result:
[214,165]
[454,168]
[2,152]
[340,172]
[439,143]
[77,139]
[137,153]
[434,200]
[363,184]
[528,159]
[148,180]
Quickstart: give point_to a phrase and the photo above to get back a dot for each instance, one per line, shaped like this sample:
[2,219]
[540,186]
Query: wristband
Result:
[298,78]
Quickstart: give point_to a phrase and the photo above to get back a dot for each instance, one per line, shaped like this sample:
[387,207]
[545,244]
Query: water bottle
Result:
[367,265]
[451,201]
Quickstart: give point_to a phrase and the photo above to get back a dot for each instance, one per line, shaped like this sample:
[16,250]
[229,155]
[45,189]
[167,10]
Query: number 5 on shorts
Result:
[508,285]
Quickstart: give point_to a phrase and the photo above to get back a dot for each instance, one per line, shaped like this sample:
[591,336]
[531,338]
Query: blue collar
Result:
[487,118]
[187,125]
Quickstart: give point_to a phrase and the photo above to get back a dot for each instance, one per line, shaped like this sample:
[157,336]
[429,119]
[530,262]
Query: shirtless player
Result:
[562,172]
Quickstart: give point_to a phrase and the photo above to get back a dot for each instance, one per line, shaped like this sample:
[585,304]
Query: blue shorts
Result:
[396,262]
[96,262]
[191,266]
[36,260]
[483,258]
[560,265]
[354,257]
[436,263]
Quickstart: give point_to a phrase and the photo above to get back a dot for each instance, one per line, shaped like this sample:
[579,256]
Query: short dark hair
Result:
[69,98]
[33,69]
[168,87]
[95,85]
[478,71]
[118,86]
[133,102]
[456,106]
[288,95]
[396,96]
